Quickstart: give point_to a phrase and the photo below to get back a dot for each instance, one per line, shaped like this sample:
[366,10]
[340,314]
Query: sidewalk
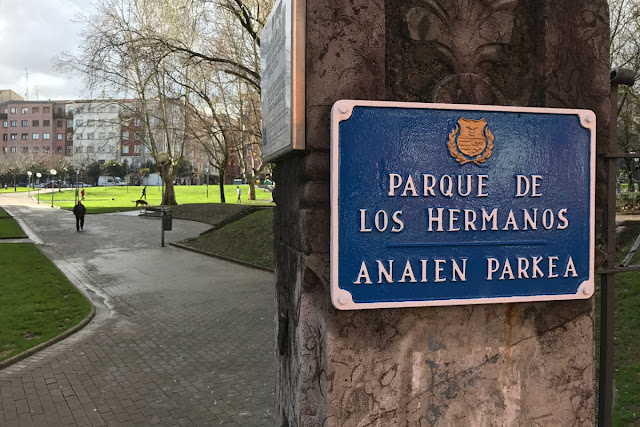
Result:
[178,338]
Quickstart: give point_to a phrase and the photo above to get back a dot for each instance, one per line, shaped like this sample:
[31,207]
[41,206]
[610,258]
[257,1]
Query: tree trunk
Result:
[169,193]
[251,180]
[630,185]
[221,185]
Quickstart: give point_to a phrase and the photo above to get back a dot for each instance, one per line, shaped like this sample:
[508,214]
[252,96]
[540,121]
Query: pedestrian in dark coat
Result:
[79,211]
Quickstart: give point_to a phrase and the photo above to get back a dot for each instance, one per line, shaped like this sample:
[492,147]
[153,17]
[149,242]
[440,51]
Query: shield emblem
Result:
[471,141]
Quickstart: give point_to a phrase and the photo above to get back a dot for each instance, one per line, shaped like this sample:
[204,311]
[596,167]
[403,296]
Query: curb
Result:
[236,261]
[50,342]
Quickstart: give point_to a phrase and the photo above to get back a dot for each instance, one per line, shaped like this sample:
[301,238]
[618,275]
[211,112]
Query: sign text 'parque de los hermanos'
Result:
[455,204]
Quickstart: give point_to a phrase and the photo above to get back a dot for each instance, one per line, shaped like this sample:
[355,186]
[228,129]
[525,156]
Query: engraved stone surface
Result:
[523,364]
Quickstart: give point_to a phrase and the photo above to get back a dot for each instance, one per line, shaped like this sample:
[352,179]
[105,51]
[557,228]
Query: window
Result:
[25,149]
[125,149]
[35,123]
[136,136]
[90,149]
[90,122]
[46,123]
[35,136]
[59,150]
[69,136]
[5,137]
[137,149]
[14,123]
[4,149]
[24,123]
[46,110]
[14,110]
[126,123]
[125,135]
[58,123]
[101,135]
[59,137]
[4,110]
[78,149]
[79,137]
[35,109]
[69,123]
[24,136]
[45,149]
[25,110]
[36,149]
[13,149]
[14,136]
[89,136]
[78,122]
[46,136]
[5,124]
[137,122]
[59,110]
[69,150]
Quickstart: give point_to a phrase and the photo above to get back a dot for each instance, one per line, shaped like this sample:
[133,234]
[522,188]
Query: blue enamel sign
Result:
[438,204]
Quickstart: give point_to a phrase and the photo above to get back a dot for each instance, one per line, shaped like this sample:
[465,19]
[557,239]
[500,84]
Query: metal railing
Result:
[609,269]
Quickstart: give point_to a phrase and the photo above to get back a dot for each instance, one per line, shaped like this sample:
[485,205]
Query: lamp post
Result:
[29,173]
[207,172]
[38,175]
[65,179]
[53,189]
[75,202]
[162,159]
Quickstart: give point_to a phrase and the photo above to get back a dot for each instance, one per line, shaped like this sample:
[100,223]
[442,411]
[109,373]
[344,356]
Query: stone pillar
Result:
[503,364]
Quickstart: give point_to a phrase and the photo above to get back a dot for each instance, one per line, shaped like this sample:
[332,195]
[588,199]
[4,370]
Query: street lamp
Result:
[207,172]
[77,186]
[38,175]
[29,173]
[65,179]
[53,190]
[162,159]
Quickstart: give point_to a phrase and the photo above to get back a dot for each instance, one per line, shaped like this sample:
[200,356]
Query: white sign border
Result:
[343,300]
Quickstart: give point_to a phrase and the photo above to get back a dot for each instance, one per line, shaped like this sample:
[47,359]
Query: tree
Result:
[625,52]
[184,168]
[93,171]
[113,168]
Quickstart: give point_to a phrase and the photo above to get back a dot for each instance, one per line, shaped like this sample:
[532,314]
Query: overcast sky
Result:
[32,32]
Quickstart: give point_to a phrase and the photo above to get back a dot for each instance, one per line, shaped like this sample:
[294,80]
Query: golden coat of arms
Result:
[471,141]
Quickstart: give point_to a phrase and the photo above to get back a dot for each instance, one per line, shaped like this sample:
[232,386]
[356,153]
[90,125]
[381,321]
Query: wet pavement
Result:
[178,338]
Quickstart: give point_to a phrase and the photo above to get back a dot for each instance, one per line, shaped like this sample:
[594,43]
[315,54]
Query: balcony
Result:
[62,115]
[3,116]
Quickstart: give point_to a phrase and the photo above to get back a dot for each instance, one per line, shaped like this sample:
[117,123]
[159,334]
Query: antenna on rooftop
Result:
[26,75]
[37,97]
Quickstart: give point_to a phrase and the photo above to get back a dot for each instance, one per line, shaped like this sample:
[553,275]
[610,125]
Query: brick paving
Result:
[179,339]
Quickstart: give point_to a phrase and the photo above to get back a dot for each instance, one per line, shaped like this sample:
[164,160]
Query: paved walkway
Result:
[178,338]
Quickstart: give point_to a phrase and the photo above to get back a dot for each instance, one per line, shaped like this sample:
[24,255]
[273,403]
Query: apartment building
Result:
[30,127]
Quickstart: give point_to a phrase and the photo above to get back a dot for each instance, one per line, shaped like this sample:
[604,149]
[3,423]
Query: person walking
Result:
[82,194]
[144,193]
[79,211]
[239,193]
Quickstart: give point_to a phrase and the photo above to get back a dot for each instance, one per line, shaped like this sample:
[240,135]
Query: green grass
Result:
[37,302]
[9,228]
[112,199]
[4,214]
[17,190]
[626,363]
[248,239]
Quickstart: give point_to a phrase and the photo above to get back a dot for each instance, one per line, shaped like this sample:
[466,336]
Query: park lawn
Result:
[4,214]
[9,228]
[249,239]
[626,364]
[17,190]
[113,199]
[37,302]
